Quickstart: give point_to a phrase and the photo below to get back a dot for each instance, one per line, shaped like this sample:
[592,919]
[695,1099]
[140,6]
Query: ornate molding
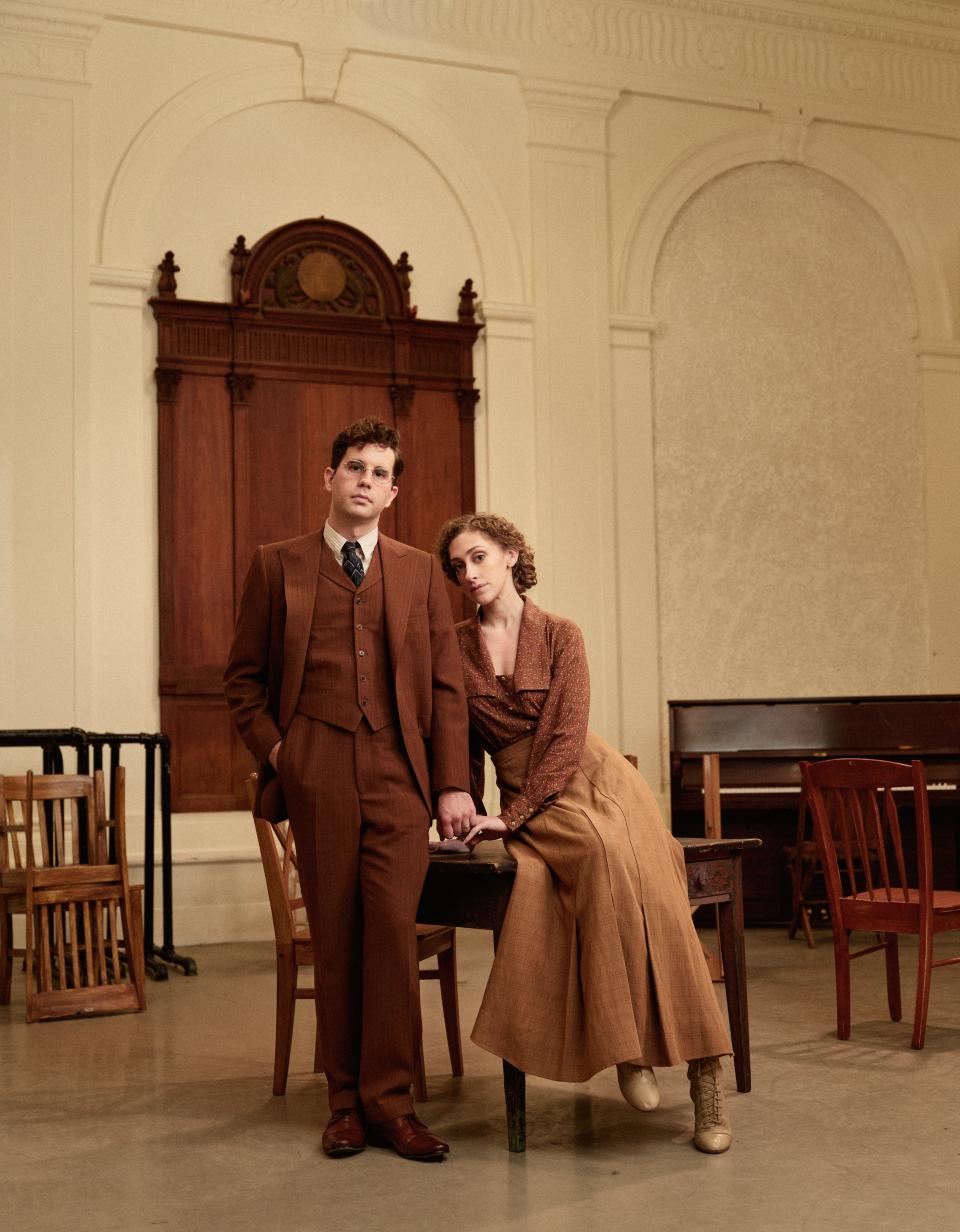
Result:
[402,398]
[467,400]
[119,288]
[47,43]
[511,322]
[938,356]
[903,53]
[568,116]
[168,382]
[240,385]
[633,333]
[321,71]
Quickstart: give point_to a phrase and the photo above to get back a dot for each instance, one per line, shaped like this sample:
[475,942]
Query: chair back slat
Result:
[858,826]
[876,832]
[841,826]
[893,829]
[855,803]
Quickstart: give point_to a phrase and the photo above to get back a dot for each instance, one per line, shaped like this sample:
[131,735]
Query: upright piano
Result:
[759,745]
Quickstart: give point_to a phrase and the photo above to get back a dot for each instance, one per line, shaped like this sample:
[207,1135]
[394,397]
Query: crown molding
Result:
[46,42]
[840,57]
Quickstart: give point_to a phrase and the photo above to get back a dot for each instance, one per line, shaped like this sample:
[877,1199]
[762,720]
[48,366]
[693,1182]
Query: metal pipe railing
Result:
[52,741]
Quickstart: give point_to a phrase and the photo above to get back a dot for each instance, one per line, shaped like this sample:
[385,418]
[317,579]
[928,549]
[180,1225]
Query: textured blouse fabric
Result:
[549,696]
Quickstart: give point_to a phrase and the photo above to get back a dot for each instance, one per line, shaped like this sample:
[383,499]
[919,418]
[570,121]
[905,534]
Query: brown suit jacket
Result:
[264,672]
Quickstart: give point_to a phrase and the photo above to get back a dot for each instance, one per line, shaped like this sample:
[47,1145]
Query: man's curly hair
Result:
[500,531]
[368,431]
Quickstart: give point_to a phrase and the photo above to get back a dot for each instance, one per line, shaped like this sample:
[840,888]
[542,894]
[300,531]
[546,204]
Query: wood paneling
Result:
[250,396]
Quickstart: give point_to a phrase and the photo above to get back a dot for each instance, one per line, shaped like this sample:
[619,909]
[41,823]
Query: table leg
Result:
[514,1080]
[515,1095]
[734,965]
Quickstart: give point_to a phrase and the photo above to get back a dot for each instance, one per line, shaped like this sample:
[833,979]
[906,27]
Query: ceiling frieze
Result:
[900,55]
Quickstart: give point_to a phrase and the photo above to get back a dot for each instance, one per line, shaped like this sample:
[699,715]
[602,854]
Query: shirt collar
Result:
[335,541]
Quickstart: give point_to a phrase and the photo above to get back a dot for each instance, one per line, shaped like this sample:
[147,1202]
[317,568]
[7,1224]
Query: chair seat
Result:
[943,900]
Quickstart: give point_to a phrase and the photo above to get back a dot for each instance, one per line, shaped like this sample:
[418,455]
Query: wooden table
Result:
[472,891]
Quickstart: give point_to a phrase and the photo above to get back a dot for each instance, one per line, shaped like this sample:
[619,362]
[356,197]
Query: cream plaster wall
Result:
[573,156]
[789,445]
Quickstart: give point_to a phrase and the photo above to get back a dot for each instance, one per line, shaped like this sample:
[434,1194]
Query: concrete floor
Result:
[166,1120]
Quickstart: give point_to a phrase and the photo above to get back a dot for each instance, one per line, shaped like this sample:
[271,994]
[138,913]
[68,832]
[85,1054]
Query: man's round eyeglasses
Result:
[378,474]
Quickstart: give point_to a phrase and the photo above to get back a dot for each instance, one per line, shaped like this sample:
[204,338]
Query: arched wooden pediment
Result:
[319,266]
[318,331]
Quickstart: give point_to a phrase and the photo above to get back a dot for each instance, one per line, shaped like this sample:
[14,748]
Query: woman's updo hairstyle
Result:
[501,532]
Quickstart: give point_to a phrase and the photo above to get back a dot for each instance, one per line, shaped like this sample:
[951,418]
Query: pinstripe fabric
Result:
[359,801]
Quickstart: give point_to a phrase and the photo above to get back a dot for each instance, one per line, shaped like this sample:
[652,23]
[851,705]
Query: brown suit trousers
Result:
[359,801]
[360,826]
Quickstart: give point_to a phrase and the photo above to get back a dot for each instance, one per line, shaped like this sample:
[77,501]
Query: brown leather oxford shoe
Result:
[345,1133]
[410,1138]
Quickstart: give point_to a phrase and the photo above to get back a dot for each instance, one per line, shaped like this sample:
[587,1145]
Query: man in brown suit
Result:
[344,680]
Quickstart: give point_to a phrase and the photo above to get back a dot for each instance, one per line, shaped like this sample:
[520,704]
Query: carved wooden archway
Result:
[250,394]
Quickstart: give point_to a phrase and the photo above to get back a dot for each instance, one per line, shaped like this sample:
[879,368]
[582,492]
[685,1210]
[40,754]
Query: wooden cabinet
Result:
[250,395]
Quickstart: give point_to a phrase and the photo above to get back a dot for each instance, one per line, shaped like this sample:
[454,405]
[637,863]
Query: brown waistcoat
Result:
[347,674]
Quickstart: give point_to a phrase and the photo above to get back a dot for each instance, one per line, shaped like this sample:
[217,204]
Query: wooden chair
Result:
[806,876]
[63,864]
[294,950]
[861,843]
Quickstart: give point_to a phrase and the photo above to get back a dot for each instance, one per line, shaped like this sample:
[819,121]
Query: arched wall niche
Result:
[152,159]
[790,143]
[789,443]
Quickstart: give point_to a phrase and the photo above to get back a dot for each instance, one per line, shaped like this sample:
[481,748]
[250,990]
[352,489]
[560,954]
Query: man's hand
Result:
[455,813]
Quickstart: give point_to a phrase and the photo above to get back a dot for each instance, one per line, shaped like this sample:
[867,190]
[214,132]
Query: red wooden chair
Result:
[858,830]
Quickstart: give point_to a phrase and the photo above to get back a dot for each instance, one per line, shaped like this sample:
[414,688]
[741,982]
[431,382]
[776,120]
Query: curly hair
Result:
[499,531]
[368,431]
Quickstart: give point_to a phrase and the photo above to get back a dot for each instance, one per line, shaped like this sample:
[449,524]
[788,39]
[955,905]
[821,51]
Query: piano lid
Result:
[898,726]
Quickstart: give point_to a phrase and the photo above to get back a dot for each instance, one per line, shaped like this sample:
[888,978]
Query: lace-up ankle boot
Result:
[712,1130]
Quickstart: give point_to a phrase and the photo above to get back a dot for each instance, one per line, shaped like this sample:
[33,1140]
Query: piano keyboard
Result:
[787,790]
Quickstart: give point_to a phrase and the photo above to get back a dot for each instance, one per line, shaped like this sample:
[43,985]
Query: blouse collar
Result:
[532,667]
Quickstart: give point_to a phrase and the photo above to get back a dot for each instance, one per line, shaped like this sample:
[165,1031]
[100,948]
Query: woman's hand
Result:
[486,827]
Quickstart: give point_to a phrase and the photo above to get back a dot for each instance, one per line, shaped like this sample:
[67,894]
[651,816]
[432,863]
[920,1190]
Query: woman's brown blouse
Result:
[548,695]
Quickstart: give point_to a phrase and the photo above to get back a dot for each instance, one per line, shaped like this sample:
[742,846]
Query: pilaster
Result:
[575,541]
[939,364]
[43,357]
[639,689]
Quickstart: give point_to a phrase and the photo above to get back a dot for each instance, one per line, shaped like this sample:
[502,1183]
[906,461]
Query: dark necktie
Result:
[352,564]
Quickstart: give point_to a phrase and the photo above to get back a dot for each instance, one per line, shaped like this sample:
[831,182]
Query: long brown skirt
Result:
[598,960]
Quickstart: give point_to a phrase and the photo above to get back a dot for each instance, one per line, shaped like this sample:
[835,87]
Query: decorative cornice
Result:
[512,322]
[847,56]
[49,43]
[938,356]
[119,288]
[571,117]
[630,332]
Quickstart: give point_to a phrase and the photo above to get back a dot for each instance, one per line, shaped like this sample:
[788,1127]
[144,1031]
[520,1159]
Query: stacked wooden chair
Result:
[63,865]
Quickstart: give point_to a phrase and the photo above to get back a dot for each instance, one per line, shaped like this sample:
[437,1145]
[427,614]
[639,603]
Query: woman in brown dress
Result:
[598,962]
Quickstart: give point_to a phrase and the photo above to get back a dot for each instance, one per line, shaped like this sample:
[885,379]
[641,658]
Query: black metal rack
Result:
[52,742]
